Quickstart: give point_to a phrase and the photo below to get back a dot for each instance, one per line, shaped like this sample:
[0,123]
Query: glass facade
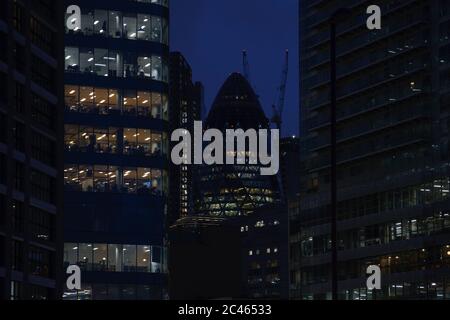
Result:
[116,24]
[103,62]
[393,153]
[116,149]
[235,190]
[105,101]
[115,258]
[103,178]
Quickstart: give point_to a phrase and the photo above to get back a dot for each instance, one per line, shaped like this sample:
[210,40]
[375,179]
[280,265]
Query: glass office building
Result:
[186,106]
[31,160]
[393,151]
[116,148]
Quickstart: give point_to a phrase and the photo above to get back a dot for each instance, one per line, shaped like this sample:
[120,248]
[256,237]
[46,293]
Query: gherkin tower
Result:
[235,190]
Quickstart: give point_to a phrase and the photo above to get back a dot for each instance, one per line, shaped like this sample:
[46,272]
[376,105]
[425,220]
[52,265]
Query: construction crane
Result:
[246,65]
[278,109]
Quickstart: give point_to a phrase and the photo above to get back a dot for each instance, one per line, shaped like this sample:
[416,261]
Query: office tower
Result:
[31,48]
[116,148]
[392,154]
[265,252]
[289,169]
[186,106]
[231,257]
[235,190]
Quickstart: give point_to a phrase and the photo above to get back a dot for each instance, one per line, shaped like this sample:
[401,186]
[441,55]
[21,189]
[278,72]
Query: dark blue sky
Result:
[212,34]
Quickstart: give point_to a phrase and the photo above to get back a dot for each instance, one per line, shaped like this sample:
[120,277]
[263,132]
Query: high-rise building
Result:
[392,154]
[235,190]
[289,169]
[265,252]
[186,106]
[31,93]
[116,148]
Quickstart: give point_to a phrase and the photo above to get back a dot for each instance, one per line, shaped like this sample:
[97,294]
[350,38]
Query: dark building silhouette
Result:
[231,257]
[205,259]
[186,106]
[239,236]
[116,142]
[289,168]
[393,151]
[31,46]
[235,190]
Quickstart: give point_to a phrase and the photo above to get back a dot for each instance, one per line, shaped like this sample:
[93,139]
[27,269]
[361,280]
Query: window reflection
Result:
[100,257]
[114,258]
[115,24]
[100,21]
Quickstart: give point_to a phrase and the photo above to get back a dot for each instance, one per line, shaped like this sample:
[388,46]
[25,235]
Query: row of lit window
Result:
[137,142]
[112,101]
[431,290]
[406,261]
[98,178]
[110,291]
[378,234]
[258,252]
[115,257]
[115,24]
[108,63]
[261,224]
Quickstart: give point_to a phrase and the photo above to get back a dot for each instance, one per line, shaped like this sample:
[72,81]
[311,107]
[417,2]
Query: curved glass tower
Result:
[116,128]
[235,190]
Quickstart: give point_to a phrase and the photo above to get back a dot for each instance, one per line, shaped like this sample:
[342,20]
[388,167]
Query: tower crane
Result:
[246,65]
[278,109]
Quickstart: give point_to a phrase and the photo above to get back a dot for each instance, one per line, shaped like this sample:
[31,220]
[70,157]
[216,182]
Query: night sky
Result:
[211,34]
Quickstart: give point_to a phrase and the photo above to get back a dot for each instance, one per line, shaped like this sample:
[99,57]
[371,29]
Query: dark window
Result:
[39,293]
[3,87]
[3,44]
[17,255]
[39,261]
[3,14]
[42,149]
[43,112]
[2,127]
[19,97]
[18,16]
[19,136]
[19,57]
[42,186]
[41,35]
[2,168]
[45,8]
[42,224]
[17,216]
[2,213]
[19,176]
[42,74]
[16,290]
